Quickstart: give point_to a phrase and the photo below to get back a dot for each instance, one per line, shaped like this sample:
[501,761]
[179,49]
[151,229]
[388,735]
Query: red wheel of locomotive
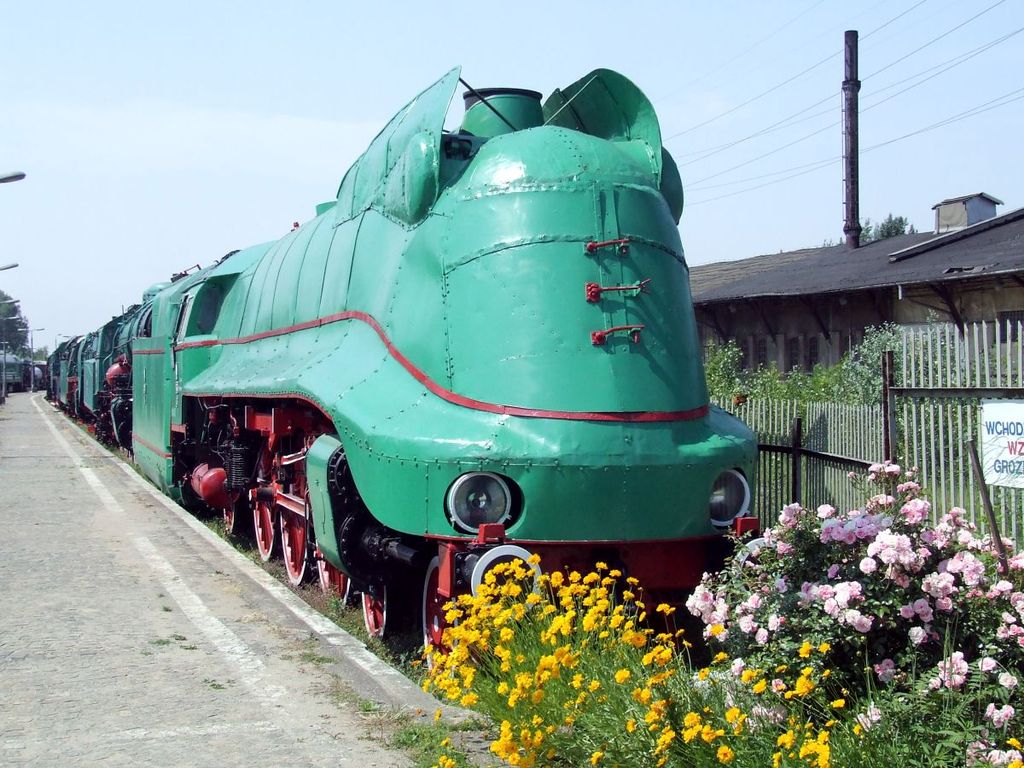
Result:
[375,610]
[264,518]
[433,620]
[237,520]
[333,581]
[294,546]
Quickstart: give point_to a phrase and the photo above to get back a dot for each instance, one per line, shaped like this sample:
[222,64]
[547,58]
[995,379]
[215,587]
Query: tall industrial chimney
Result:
[851,162]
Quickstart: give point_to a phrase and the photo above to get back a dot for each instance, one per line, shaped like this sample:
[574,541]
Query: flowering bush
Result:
[905,607]
[846,639]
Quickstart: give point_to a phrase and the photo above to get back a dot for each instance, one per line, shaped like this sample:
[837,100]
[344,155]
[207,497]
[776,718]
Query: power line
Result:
[751,100]
[763,175]
[972,112]
[934,40]
[962,59]
[956,61]
[788,80]
[785,122]
[769,153]
[746,50]
[999,101]
[894,18]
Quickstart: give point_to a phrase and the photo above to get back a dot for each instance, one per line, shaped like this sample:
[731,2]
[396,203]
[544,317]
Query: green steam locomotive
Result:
[484,348]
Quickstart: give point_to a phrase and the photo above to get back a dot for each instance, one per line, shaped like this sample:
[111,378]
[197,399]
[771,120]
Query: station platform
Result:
[131,635]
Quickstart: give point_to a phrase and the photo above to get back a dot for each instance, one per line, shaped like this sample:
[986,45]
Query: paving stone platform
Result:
[127,639]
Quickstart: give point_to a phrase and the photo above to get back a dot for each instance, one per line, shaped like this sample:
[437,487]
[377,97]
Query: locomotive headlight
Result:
[730,498]
[477,498]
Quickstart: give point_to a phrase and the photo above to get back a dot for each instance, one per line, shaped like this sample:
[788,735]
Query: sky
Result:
[157,136]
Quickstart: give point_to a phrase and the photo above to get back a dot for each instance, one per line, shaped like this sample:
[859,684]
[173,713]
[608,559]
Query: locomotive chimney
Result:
[506,110]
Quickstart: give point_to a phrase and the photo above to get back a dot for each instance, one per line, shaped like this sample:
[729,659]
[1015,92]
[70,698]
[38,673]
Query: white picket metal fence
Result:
[942,375]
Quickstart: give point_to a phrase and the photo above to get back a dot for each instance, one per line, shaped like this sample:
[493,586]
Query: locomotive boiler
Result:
[483,348]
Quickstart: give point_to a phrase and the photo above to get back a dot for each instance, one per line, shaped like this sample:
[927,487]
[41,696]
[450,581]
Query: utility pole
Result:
[851,151]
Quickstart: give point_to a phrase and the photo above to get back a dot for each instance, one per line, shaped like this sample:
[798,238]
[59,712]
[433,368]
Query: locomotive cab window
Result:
[199,310]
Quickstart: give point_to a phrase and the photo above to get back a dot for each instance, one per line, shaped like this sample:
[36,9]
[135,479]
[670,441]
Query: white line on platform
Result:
[240,656]
[353,649]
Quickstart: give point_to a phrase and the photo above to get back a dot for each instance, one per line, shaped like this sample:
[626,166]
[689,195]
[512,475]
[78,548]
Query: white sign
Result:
[1002,442]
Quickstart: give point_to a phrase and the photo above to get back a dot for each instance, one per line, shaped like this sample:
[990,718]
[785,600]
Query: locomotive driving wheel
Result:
[295,544]
[433,614]
[375,610]
[264,518]
[237,520]
[333,580]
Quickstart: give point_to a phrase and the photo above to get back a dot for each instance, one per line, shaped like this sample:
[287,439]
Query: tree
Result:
[891,226]
[13,327]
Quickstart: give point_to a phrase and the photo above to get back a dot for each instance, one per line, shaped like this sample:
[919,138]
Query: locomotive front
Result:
[544,304]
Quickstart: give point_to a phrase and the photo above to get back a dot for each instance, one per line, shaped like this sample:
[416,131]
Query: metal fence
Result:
[939,380]
[935,386]
[806,453]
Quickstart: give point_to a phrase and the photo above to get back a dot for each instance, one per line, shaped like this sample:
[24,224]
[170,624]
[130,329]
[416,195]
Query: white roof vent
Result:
[959,212]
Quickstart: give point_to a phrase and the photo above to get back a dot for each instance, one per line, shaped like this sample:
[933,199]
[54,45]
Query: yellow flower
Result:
[838,703]
[759,686]
[1015,743]
[732,714]
[630,725]
[533,559]
[437,714]
[447,742]
[786,740]
[725,755]
[665,608]
[715,630]
[601,566]
[622,676]
[469,700]
[596,757]
[824,648]
[720,657]
[805,650]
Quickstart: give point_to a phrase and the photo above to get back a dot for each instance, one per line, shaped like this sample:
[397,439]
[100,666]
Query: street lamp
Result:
[12,176]
[8,266]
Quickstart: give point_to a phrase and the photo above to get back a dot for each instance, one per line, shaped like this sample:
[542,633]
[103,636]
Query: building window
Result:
[762,351]
[812,352]
[792,353]
[1009,325]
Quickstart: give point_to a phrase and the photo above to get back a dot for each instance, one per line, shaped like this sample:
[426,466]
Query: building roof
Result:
[986,195]
[991,247]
